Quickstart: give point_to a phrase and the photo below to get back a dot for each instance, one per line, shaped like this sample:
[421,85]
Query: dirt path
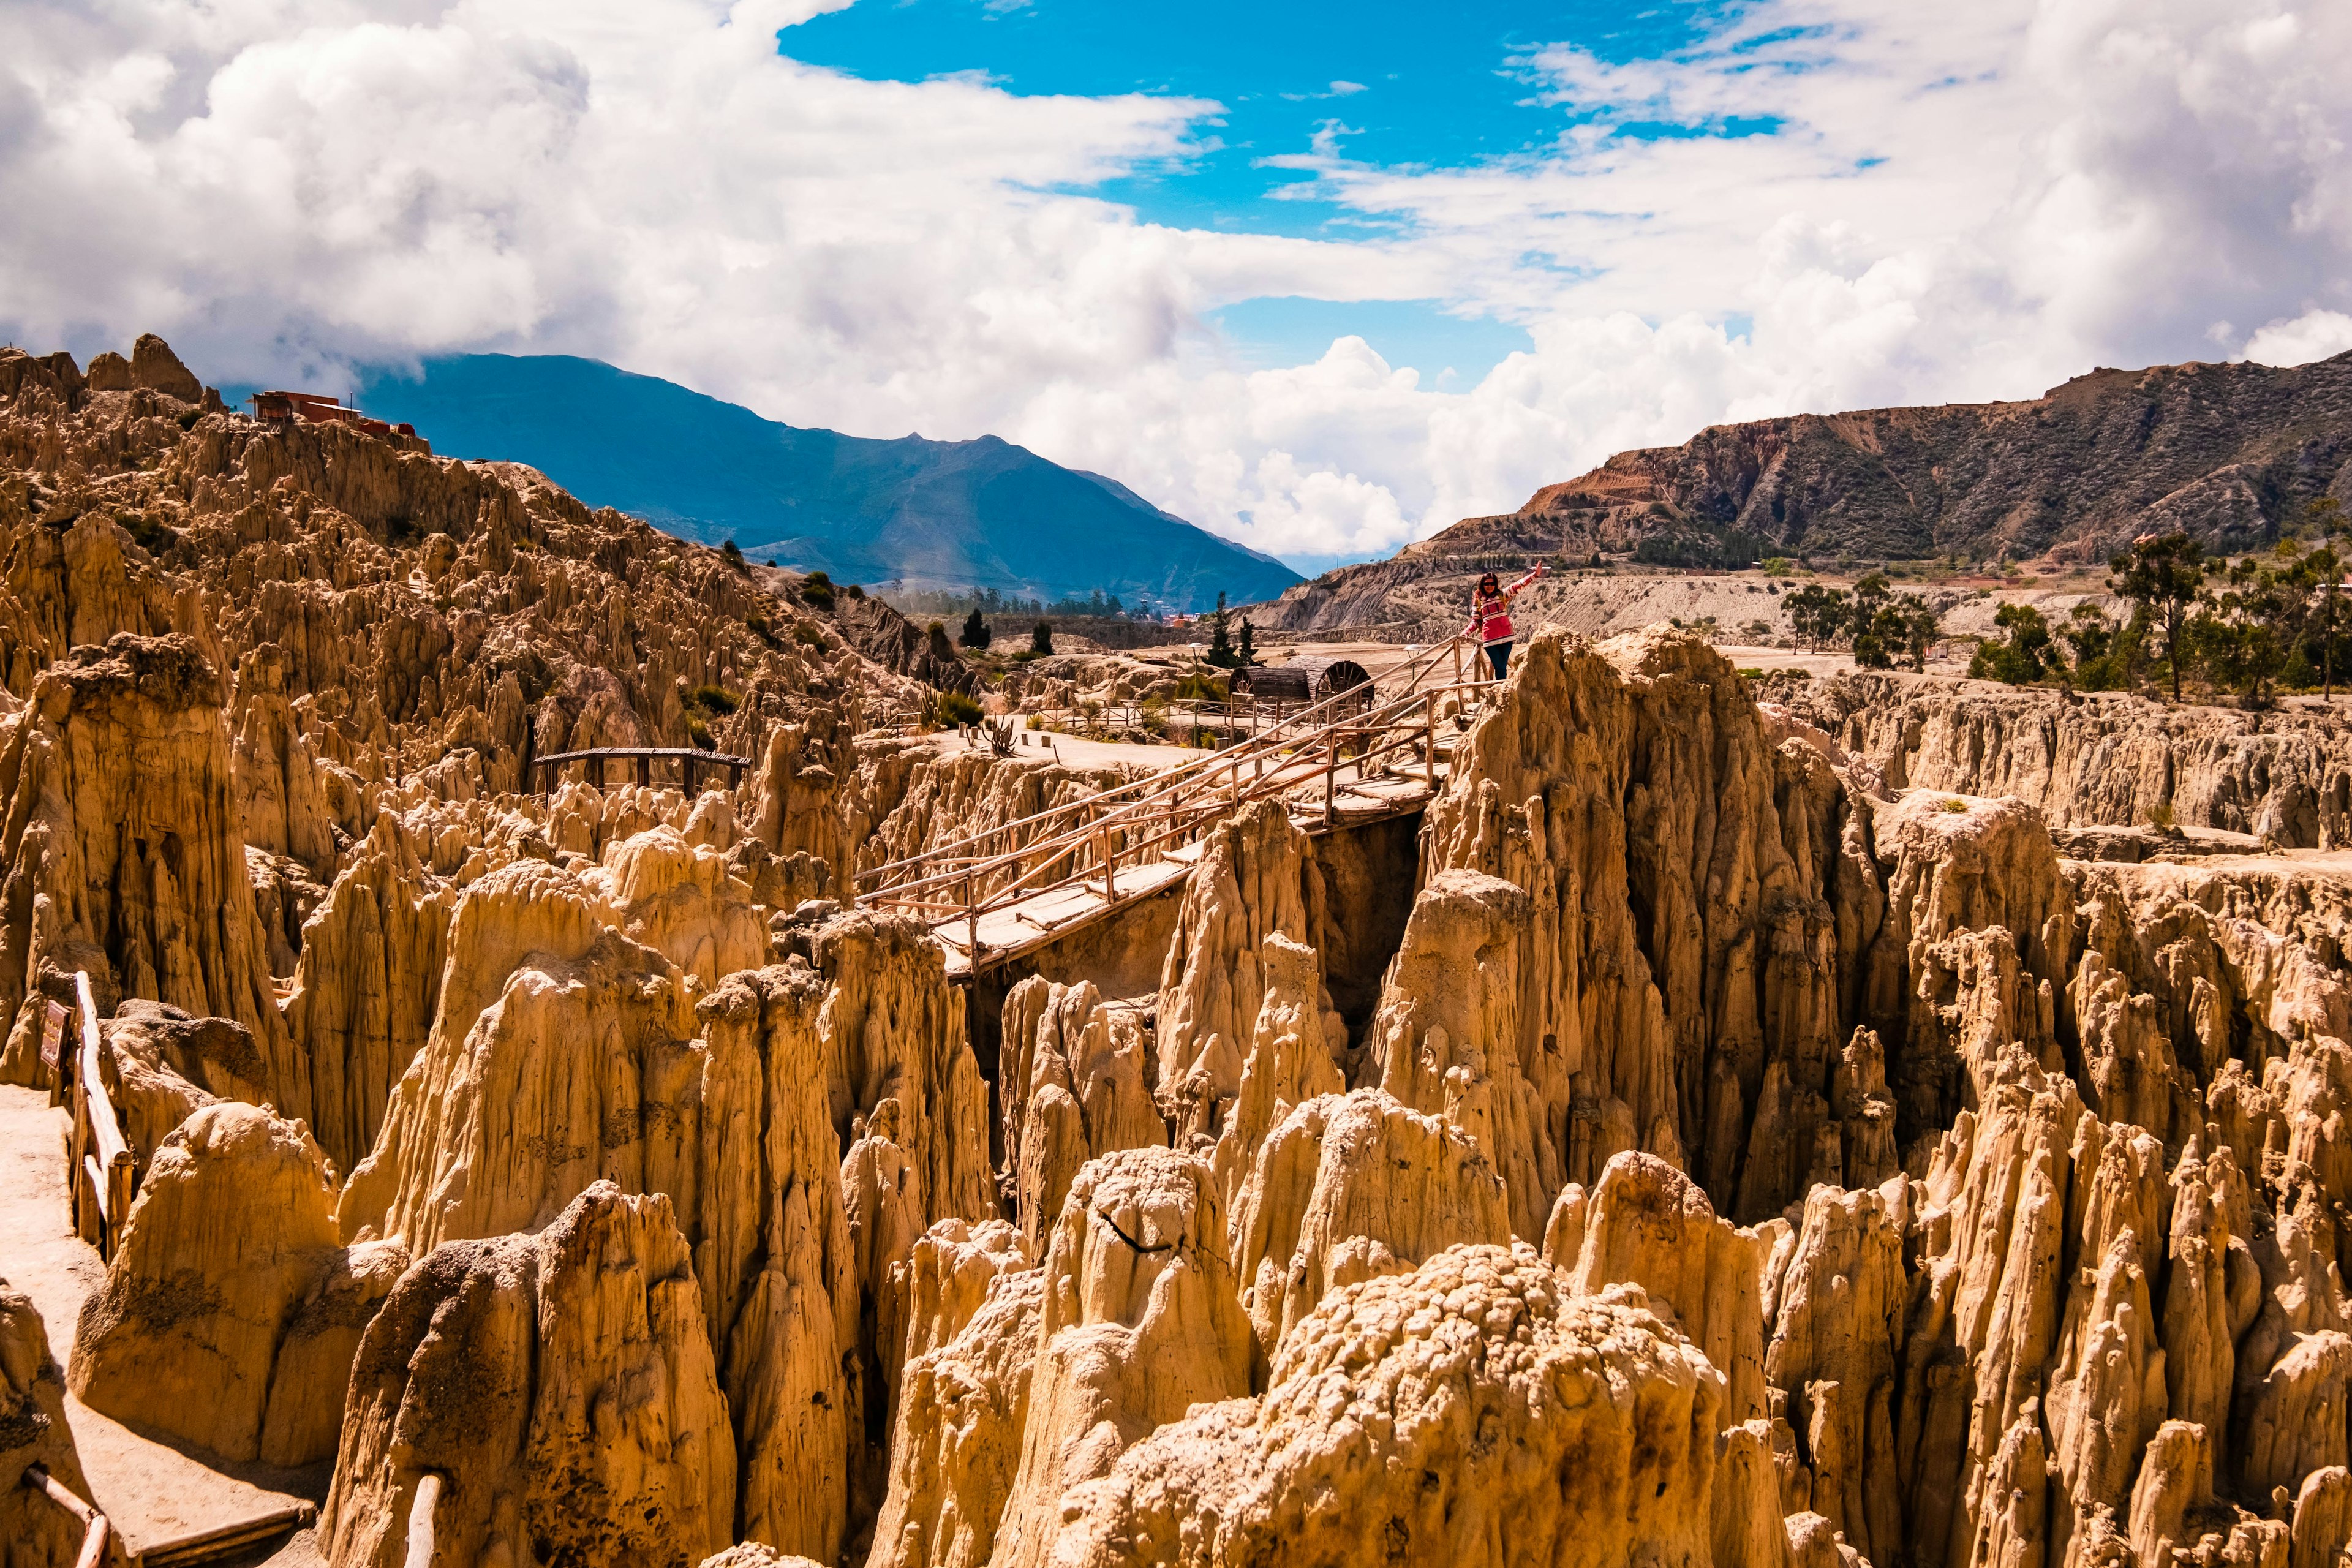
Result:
[153,1488]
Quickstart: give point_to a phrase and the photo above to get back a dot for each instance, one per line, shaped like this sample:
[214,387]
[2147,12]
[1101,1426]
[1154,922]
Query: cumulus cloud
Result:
[2314,335]
[1863,201]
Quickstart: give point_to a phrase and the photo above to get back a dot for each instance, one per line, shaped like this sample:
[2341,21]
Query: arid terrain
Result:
[1801,1121]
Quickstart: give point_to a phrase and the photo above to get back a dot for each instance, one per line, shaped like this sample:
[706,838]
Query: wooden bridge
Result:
[1015,887]
[691,761]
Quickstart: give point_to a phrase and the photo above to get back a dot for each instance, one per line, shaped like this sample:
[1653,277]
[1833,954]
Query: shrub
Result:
[698,730]
[816,592]
[854,590]
[954,708]
[976,633]
[714,699]
[1955,803]
[806,634]
[734,554]
[1041,638]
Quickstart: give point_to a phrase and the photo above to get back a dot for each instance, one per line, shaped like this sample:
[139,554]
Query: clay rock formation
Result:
[126,852]
[367,985]
[562,1384]
[2096,758]
[550,1029]
[230,1314]
[962,1409]
[1075,1073]
[1138,1323]
[33,1531]
[679,900]
[161,1065]
[1836,1298]
[893,1031]
[1294,1055]
[1975,917]
[752,1554]
[1647,1224]
[1251,881]
[1638,776]
[1472,1412]
[772,1251]
[1347,1187]
[279,793]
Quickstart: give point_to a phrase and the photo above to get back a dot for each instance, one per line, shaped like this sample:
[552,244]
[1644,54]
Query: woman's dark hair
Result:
[1490,582]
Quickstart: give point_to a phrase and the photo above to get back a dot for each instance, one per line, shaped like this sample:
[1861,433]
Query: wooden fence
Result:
[101,1172]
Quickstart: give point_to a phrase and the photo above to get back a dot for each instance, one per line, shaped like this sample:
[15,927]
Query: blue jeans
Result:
[1498,654]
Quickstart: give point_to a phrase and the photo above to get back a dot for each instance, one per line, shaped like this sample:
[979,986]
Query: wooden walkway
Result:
[996,895]
[167,1503]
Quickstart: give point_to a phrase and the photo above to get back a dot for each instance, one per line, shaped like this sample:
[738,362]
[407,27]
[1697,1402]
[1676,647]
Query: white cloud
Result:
[1876,201]
[2314,334]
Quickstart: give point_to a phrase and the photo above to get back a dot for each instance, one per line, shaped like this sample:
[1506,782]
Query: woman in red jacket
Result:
[1490,616]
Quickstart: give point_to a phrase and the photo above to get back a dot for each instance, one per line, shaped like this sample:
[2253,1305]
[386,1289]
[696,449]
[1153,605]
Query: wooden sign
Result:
[53,1035]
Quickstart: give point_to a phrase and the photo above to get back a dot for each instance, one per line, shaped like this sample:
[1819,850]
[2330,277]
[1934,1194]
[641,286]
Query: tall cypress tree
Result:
[1220,639]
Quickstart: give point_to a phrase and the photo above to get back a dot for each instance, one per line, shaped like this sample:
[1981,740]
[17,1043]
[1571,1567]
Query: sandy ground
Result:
[153,1487]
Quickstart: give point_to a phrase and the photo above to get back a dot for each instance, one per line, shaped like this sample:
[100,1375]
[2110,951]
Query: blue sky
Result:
[1403,86]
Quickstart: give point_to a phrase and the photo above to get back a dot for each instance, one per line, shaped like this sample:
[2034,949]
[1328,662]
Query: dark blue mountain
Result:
[954,514]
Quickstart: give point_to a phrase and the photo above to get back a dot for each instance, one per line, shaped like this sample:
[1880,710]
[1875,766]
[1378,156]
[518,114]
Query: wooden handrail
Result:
[1176,783]
[684,754]
[102,1160]
[1177,805]
[1272,739]
[103,1125]
[94,1526]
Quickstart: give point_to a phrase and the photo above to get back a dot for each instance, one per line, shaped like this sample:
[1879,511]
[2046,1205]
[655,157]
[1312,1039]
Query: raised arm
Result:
[1533,572]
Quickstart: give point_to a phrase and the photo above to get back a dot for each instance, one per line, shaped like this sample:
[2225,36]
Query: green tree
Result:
[1245,654]
[2102,650]
[1220,639]
[1870,595]
[976,633]
[1818,614]
[1041,638]
[2323,572]
[2024,656]
[2249,631]
[1920,627]
[2162,573]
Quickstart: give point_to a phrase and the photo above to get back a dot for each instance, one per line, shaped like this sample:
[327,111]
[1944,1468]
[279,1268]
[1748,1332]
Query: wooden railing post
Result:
[420,1522]
[1331,776]
[1429,736]
[94,1526]
[970,923]
[1109,866]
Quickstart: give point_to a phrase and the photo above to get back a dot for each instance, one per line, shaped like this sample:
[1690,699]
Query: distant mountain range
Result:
[2227,452]
[928,514]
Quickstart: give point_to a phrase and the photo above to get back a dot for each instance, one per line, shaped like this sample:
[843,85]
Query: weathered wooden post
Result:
[420,1522]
